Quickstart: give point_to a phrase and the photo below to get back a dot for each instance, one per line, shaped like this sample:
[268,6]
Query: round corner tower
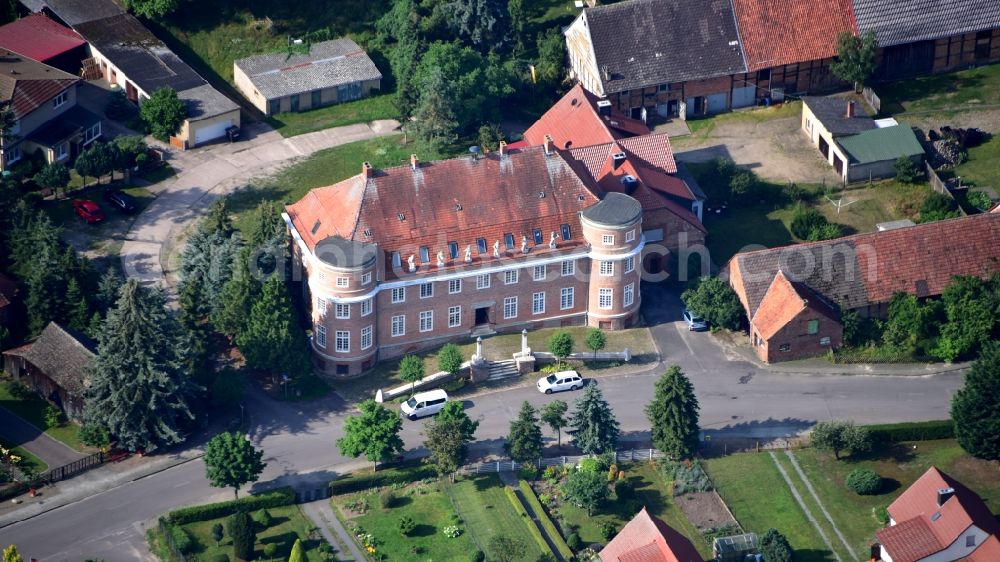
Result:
[613,228]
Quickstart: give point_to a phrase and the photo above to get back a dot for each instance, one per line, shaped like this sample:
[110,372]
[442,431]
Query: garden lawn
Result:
[981,167]
[702,128]
[758,497]
[963,90]
[27,459]
[652,491]
[359,111]
[288,524]
[32,410]
[900,465]
[484,507]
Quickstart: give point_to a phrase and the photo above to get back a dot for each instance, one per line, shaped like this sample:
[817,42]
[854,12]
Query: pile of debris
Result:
[949,148]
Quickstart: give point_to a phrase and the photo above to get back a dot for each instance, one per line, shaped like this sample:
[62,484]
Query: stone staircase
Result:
[503,370]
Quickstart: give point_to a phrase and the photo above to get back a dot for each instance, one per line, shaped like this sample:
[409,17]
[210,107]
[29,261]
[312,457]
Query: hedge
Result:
[912,431]
[273,498]
[386,477]
[543,518]
[519,508]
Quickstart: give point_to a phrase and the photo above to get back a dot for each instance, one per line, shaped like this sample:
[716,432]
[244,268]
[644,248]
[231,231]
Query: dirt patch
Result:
[705,510]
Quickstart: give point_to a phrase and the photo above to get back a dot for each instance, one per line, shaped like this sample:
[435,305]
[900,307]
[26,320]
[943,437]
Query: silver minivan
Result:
[424,404]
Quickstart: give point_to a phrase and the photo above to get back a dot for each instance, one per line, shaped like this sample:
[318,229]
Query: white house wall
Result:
[582,59]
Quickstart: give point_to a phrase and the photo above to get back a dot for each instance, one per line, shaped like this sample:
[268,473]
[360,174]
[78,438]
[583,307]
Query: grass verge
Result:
[365,110]
[28,460]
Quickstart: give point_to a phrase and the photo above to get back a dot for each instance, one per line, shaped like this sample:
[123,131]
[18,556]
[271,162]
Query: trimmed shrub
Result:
[181,539]
[574,542]
[387,499]
[527,472]
[274,498]
[270,549]
[477,556]
[912,431]
[240,529]
[590,465]
[608,530]
[385,477]
[624,490]
[864,481]
[881,514]
[263,518]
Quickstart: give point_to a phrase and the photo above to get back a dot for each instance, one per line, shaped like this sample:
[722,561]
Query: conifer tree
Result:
[976,406]
[594,424]
[107,290]
[237,297]
[524,442]
[77,309]
[137,386]
[272,340]
[673,415]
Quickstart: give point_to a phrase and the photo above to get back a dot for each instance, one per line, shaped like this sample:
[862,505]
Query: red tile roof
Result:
[574,121]
[926,525]
[775,33]
[38,37]
[452,200]
[989,551]
[29,84]
[784,301]
[647,539]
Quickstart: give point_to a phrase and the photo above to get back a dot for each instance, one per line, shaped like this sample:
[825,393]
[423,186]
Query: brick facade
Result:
[794,340]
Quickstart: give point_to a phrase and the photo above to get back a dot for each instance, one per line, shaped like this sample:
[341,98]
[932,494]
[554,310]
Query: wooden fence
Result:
[629,455]
[939,186]
[872,98]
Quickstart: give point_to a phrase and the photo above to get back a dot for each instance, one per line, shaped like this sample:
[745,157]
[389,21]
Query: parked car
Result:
[88,211]
[424,404]
[557,382]
[121,201]
[695,323]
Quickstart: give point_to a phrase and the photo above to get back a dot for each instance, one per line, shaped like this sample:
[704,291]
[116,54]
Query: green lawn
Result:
[159,174]
[752,487]
[651,491]
[963,90]
[27,459]
[482,503]
[358,111]
[32,410]
[702,128]
[288,523]
[981,167]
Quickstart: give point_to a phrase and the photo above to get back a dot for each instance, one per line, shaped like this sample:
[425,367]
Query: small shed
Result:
[734,548]
[873,153]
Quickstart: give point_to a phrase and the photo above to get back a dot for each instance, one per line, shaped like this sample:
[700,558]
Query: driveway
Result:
[204,174]
[23,434]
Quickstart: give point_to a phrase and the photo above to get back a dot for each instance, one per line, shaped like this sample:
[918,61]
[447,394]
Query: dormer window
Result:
[537,235]
[396,260]
[564,230]
[425,254]
[453,249]
[401,216]
[481,245]
[508,241]
[315,227]
[368,233]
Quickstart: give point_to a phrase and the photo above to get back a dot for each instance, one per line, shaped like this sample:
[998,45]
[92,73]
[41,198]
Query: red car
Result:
[88,211]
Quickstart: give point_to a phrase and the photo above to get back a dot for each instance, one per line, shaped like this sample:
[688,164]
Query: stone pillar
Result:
[479,371]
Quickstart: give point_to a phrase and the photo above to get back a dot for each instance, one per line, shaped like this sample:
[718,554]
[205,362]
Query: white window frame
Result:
[343,281]
[510,277]
[61,151]
[538,303]
[454,316]
[60,99]
[608,239]
[398,294]
[538,273]
[454,286]
[342,311]
[398,321]
[605,298]
[568,268]
[342,341]
[509,308]
[366,278]
[607,268]
[630,235]
[630,264]
[628,294]
[567,298]
[483,281]
[366,337]
[366,307]
[91,134]
[13,154]
[322,275]
[426,317]
[321,305]
[321,335]
[426,290]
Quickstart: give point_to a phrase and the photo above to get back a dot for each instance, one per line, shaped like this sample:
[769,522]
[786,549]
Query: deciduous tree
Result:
[152,9]
[586,489]
[447,440]
[96,161]
[972,309]
[595,429]
[839,436]
[54,176]
[449,358]
[714,300]
[561,345]
[595,340]
[163,112]
[524,441]
[10,554]
[855,60]
[411,370]
[554,416]
[374,434]
[775,548]
[673,414]
[976,406]
[232,461]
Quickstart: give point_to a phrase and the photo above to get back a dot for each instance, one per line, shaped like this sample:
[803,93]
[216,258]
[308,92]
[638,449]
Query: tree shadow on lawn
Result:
[895,94]
[814,555]
[484,482]
[895,452]
[423,530]
[284,542]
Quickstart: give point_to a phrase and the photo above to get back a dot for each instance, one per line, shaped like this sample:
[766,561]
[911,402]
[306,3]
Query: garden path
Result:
[321,514]
[35,441]
[802,505]
[812,491]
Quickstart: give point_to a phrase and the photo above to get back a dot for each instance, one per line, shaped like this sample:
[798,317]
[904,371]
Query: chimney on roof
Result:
[366,170]
[502,149]
[618,159]
[414,161]
[850,110]
[944,494]
[603,107]
[548,144]
[630,183]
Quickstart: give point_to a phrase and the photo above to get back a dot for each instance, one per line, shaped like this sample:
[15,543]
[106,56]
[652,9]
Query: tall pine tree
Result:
[976,406]
[435,122]
[524,442]
[77,309]
[673,415]
[595,429]
[237,298]
[272,339]
[137,386]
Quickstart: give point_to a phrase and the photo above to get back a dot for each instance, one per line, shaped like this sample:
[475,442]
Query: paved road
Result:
[52,452]
[737,399]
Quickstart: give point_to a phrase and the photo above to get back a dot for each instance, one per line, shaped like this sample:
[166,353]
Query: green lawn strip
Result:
[365,110]
[288,524]
[28,460]
[158,545]
[536,534]
[543,518]
[702,128]
[481,503]
[430,509]
[32,410]
[810,502]
[962,90]
[159,174]
[980,169]
[758,497]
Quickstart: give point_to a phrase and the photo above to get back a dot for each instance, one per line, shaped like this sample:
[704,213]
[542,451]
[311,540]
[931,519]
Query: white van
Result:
[424,404]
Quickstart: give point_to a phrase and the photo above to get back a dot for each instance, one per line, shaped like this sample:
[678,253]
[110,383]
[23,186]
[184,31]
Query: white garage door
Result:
[211,132]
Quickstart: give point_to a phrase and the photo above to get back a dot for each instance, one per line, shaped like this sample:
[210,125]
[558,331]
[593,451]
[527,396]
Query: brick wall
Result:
[800,343]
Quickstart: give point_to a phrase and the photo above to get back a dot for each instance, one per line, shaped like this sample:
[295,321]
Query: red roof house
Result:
[582,119]
[647,539]
[938,518]
[42,39]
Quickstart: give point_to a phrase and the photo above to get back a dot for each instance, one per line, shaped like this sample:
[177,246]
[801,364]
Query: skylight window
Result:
[315,226]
